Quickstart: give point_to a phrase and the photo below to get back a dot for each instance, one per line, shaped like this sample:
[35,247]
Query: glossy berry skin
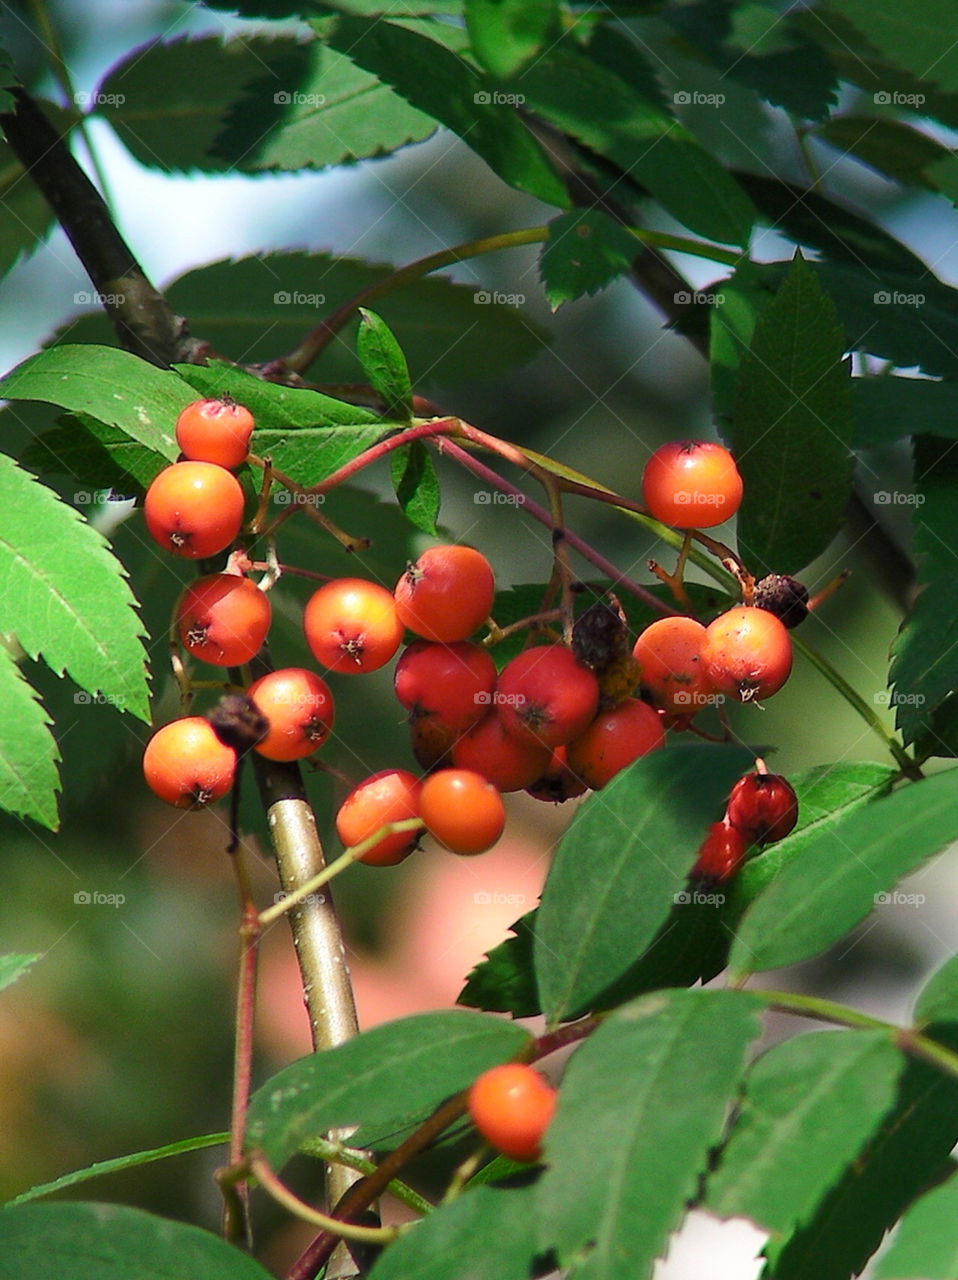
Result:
[558,783]
[721,854]
[447,594]
[223,619]
[691,484]
[351,625]
[671,674]
[545,695]
[613,740]
[215,431]
[747,654]
[186,765]
[391,795]
[511,1106]
[462,810]
[508,762]
[451,683]
[194,509]
[300,710]
[763,806]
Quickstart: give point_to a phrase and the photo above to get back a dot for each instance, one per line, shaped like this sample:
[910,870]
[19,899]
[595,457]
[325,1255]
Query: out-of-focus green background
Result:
[120,1038]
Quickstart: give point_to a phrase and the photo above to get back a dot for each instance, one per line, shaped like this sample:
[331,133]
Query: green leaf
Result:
[925,664]
[891,147]
[844,873]
[25,216]
[64,595]
[909,1153]
[271,404]
[29,755]
[94,455]
[382,1077]
[113,1242]
[682,1054]
[436,81]
[417,485]
[605,113]
[384,365]
[103,1167]
[740,300]
[619,866]
[486,1234]
[117,388]
[911,39]
[927,1243]
[504,982]
[260,305]
[13,967]
[792,428]
[809,1107]
[585,250]
[888,408]
[938,999]
[505,34]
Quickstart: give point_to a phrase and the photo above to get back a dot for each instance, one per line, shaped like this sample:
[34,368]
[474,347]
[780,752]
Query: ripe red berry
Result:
[432,742]
[389,796]
[462,810]
[223,619]
[763,806]
[508,762]
[215,431]
[747,653]
[351,625]
[194,509]
[299,707]
[451,683]
[545,695]
[446,594]
[671,674]
[511,1106]
[613,740]
[691,484]
[186,765]
[558,783]
[721,854]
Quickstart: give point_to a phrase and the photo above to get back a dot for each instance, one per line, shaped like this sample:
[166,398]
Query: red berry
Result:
[691,484]
[351,625]
[299,707]
[462,810]
[508,762]
[558,783]
[613,740]
[194,509]
[721,854]
[451,683]
[747,654]
[389,796]
[432,742]
[446,594]
[670,667]
[511,1106]
[186,765]
[223,619]
[215,431]
[763,806]
[546,695]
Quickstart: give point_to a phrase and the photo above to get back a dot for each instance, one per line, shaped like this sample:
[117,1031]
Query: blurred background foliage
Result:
[121,1037]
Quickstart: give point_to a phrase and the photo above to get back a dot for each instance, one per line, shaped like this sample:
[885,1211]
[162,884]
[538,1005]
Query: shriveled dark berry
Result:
[238,722]
[786,597]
